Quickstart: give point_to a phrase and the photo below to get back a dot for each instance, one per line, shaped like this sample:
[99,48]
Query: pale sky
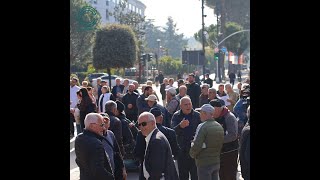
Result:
[185,13]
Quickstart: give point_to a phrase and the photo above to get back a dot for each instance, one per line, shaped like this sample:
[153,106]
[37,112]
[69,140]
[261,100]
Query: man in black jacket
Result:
[91,158]
[194,91]
[185,123]
[130,102]
[115,124]
[168,132]
[157,159]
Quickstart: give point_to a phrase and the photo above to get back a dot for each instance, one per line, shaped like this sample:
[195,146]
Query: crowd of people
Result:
[205,130]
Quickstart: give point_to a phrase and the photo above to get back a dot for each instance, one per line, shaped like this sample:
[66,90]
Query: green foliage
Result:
[132,19]
[212,32]
[170,65]
[171,41]
[238,42]
[115,47]
[235,10]
[81,41]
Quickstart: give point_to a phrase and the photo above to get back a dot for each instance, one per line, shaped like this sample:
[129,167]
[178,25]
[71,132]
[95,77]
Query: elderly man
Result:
[185,122]
[206,146]
[212,94]
[112,148]
[158,162]
[117,90]
[152,102]
[172,102]
[233,97]
[182,92]
[229,152]
[203,99]
[115,123]
[93,161]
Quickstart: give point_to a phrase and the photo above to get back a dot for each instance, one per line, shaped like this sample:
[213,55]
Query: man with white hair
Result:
[158,161]
[117,89]
[207,144]
[182,92]
[91,158]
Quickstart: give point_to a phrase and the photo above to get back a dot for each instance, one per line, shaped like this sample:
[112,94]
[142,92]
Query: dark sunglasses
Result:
[143,124]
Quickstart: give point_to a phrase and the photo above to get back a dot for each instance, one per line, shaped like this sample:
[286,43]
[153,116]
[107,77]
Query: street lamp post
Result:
[203,40]
[158,56]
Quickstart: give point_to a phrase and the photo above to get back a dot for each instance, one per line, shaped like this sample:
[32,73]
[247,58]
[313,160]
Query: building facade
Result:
[105,7]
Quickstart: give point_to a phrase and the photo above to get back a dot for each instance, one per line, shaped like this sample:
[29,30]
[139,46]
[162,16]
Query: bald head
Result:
[186,105]
[146,123]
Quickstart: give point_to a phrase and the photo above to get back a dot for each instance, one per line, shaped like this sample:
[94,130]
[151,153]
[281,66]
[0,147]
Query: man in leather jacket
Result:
[93,162]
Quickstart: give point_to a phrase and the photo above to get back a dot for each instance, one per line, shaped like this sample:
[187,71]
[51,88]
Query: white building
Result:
[104,7]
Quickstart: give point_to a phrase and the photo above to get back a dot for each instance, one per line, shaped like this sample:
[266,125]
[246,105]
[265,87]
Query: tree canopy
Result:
[115,47]
[81,39]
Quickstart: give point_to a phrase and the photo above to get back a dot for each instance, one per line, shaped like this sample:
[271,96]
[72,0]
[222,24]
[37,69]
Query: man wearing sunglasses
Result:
[158,162]
[91,158]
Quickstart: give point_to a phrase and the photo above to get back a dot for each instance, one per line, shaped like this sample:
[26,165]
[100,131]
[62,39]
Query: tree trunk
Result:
[109,72]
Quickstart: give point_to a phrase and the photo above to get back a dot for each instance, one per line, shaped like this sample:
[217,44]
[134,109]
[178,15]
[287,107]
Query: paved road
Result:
[74,170]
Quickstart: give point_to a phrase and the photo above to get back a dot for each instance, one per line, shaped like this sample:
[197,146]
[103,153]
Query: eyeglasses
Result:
[143,124]
[101,125]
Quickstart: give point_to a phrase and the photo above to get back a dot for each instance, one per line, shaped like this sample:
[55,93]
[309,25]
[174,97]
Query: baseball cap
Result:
[105,115]
[155,111]
[206,108]
[151,97]
[217,103]
[172,90]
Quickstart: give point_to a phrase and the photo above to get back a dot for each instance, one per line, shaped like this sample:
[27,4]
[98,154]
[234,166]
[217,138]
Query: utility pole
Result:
[203,40]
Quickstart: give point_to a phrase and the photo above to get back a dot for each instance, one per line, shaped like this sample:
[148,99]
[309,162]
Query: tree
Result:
[173,42]
[237,43]
[81,39]
[235,10]
[115,47]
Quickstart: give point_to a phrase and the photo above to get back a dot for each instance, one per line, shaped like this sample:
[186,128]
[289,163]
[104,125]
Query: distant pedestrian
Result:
[232,77]
[239,76]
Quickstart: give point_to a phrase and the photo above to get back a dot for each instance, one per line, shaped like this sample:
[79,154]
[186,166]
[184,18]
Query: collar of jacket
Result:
[180,113]
[110,113]
[92,134]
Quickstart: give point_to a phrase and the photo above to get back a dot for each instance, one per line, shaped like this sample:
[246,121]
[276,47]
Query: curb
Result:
[72,142]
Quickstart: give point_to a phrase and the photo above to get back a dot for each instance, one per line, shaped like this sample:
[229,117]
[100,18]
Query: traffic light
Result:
[143,59]
[149,57]
[216,56]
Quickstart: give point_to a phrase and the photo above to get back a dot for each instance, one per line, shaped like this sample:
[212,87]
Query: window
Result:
[107,2]
[107,14]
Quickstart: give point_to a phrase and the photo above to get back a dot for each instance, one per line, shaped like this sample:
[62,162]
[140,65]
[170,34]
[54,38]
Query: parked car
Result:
[95,75]
[113,80]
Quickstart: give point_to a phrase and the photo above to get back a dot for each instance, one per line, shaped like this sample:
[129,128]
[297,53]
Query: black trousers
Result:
[228,166]
[187,165]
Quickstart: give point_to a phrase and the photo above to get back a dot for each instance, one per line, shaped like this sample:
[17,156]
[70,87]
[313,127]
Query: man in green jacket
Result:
[207,144]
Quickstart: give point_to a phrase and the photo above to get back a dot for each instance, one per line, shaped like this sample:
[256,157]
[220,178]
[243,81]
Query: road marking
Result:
[71,150]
